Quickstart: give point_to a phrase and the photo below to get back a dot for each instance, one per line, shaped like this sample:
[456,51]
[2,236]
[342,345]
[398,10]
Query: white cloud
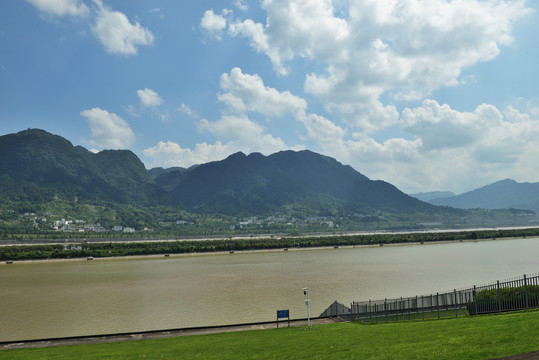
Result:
[259,41]
[188,111]
[108,129]
[117,34]
[241,4]
[168,154]
[213,24]
[451,150]
[323,132]
[61,7]
[405,49]
[244,92]
[149,98]
[242,130]
[241,94]
[439,126]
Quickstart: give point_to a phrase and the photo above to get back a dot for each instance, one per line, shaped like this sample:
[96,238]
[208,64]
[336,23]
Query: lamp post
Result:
[306,293]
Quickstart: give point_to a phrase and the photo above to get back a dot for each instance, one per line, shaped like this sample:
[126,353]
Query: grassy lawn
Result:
[481,337]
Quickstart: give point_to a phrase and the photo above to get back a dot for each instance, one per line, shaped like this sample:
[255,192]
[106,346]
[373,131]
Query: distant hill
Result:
[427,196]
[37,166]
[503,194]
[304,181]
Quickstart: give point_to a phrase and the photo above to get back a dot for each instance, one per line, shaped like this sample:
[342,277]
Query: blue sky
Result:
[437,95]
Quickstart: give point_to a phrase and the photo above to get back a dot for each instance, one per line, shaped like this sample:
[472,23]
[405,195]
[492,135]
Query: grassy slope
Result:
[482,337]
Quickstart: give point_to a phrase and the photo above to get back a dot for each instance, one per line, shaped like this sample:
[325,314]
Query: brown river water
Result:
[69,298]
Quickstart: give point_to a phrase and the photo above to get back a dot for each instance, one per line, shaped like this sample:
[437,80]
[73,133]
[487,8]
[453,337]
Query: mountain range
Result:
[504,194]
[36,166]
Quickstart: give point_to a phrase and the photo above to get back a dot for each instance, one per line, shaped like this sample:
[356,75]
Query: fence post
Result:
[422,308]
[499,298]
[385,308]
[455,303]
[396,311]
[526,293]
[474,300]
[438,305]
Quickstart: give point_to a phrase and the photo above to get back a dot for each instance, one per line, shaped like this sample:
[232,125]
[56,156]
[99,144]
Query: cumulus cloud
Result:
[61,7]
[323,132]
[241,4]
[117,34]
[242,130]
[449,149]
[213,24]
[149,98]
[168,153]
[243,92]
[404,49]
[108,129]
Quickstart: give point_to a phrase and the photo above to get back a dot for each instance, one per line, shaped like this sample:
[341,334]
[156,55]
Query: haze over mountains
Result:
[504,194]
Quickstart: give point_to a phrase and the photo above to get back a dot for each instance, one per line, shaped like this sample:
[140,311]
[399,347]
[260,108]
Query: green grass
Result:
[478,337]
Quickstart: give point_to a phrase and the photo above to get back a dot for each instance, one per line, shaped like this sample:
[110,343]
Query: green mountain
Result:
[37,166]
[302,182]
[42,173]
[503,194]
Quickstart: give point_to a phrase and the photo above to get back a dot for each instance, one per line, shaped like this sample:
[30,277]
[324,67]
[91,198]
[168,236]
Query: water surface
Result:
[66,298]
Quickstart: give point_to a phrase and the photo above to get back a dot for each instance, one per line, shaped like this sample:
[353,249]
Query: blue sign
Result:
[282,314]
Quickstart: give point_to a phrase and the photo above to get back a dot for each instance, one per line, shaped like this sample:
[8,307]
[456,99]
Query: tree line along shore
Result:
[85,249]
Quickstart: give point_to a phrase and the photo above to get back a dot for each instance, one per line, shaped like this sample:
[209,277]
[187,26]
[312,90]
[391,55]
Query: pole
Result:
[306,293]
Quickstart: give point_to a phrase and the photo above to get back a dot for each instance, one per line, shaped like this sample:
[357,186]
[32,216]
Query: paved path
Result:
[157,334]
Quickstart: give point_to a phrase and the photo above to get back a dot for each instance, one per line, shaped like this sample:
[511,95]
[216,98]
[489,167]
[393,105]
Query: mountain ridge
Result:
[36,164]
[35,157]
[503,194]
[245,182]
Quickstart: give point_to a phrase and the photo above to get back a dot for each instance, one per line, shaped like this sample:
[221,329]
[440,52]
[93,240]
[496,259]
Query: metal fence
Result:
[515,294]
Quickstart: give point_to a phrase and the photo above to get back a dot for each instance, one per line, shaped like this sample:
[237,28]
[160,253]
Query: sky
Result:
[426,95]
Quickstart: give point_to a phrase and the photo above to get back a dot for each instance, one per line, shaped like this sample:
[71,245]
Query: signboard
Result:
[283,314]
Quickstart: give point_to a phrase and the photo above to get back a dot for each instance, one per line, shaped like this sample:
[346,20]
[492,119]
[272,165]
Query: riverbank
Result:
[298,243]
[239,252]
[159,334]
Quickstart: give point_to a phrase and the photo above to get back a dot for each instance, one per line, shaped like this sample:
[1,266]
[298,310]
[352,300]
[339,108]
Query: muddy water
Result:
[66,298]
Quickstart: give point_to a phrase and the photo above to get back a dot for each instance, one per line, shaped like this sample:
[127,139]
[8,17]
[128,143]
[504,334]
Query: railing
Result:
[509,295]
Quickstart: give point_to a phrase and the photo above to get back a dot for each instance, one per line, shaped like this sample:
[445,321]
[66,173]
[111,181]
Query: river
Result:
[68,298]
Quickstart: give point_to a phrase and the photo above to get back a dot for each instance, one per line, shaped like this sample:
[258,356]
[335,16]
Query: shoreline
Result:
[240,252]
